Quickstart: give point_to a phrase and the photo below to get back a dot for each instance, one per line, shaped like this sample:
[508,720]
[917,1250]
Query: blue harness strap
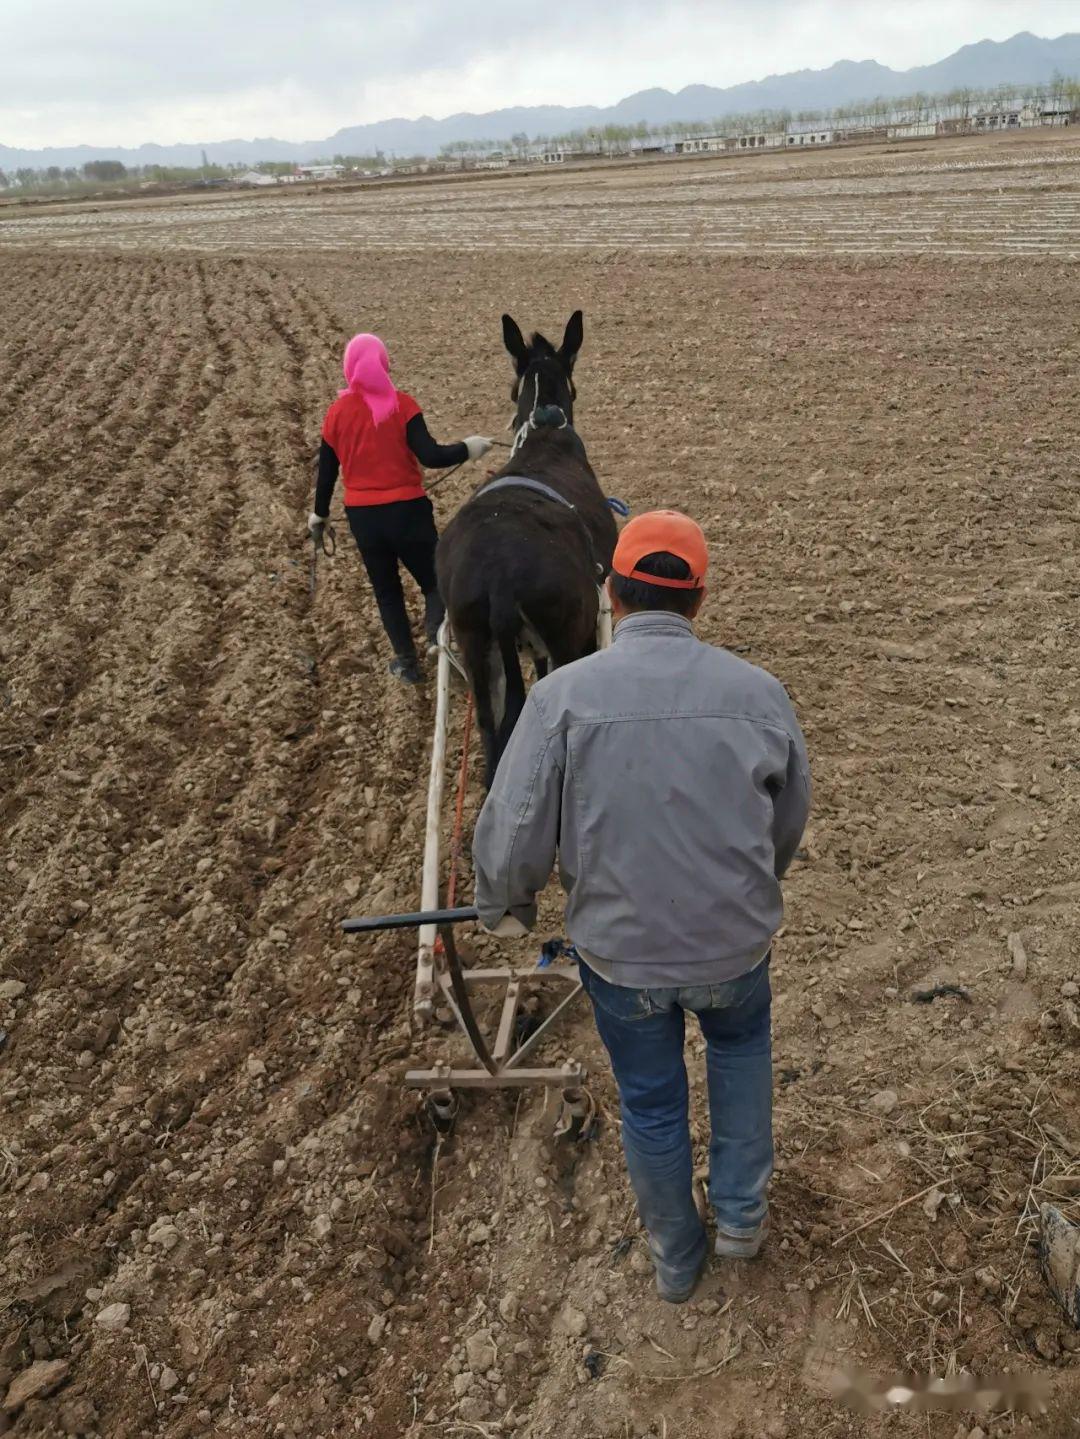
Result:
[556,949]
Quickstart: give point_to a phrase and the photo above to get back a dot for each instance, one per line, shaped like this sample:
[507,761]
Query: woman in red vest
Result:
[376,435]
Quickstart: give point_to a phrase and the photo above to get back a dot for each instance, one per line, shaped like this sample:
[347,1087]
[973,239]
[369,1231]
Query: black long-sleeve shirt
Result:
[430,454]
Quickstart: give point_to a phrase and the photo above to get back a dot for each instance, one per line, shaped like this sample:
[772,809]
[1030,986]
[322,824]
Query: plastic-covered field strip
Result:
[979,199]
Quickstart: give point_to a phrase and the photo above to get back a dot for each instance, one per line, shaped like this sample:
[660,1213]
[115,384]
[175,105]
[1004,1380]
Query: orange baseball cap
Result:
[662,532]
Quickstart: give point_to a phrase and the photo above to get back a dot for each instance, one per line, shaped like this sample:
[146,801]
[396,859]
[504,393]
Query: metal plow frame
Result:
[438,970]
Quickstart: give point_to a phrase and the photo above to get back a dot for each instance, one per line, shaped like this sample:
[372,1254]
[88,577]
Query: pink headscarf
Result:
[366,367]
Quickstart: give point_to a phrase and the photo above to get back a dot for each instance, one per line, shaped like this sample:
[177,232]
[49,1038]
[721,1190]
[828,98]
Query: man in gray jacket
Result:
[671,779]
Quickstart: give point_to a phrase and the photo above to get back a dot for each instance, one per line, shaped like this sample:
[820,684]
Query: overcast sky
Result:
[120,72]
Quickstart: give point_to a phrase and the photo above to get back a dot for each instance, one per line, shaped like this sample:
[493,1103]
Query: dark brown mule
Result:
[522,565]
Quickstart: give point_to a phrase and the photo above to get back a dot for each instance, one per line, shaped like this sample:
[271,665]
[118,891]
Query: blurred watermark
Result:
[956,1393]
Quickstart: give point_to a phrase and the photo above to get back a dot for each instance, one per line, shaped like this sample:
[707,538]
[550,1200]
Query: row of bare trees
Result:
[96,174]
[113,174]
[962,103]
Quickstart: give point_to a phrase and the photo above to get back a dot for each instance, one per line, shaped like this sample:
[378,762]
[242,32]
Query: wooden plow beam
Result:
[440,978]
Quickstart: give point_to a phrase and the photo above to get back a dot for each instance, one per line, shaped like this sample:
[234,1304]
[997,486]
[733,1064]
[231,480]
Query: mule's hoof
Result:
[406,670]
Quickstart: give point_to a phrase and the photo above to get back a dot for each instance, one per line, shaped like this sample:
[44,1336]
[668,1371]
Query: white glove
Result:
[509,927]
[316,524]
[477,446]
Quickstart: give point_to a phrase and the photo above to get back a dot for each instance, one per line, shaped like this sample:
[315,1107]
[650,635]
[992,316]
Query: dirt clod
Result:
[572,1322]
[113,1317]
[41,1378]
[480,1351]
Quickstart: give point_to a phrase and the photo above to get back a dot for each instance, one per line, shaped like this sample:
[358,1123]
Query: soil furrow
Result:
[205,768]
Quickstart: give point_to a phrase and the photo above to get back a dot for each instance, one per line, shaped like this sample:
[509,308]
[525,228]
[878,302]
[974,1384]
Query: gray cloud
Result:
[121,71]
[123,50]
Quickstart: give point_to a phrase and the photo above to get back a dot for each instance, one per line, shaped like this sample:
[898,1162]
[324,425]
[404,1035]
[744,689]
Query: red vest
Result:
[377,466]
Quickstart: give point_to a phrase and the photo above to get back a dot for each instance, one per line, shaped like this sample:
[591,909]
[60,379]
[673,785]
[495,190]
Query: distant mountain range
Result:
[1026,58]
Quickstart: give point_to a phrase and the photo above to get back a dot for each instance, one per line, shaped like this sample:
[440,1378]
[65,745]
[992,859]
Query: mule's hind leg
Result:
[491,754]
[565,647]
[514,693]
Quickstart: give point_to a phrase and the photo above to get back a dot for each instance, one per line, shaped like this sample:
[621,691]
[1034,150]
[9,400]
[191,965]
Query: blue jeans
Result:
[643,1031]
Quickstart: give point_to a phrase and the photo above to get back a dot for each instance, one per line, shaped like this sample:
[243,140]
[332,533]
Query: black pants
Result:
[387,536]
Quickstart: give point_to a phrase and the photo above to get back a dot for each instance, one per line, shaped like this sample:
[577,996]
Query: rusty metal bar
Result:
[505,1035]
[520,971]
[568,1076]
[464,1004]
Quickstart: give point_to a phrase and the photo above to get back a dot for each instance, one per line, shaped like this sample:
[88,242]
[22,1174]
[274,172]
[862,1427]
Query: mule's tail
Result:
[491,659]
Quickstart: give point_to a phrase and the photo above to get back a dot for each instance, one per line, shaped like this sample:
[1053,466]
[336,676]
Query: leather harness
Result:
[522,482]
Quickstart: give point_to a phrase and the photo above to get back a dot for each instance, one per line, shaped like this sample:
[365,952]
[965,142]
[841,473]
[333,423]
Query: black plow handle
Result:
[366,924]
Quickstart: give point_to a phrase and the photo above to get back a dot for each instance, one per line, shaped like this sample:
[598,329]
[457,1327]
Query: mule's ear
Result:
[572,338]
[514,341]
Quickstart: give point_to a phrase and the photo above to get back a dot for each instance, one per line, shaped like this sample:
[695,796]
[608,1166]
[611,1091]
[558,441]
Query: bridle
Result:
[527,428]
[537,487]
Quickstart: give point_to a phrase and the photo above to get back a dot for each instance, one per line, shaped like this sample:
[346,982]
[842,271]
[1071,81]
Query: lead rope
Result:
[320,546]
[437,481]
[530,424]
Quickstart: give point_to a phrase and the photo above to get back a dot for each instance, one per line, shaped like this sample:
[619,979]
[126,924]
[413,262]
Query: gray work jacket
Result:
[671,778]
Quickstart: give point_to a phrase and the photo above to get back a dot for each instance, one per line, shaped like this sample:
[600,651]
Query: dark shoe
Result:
[405,669]
[674,1286]
[676,1291]
[746,1245]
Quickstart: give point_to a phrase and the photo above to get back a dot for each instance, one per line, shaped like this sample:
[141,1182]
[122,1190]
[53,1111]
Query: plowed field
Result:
[204,767]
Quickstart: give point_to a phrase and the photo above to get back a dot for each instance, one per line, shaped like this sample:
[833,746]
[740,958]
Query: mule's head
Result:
[543,375]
